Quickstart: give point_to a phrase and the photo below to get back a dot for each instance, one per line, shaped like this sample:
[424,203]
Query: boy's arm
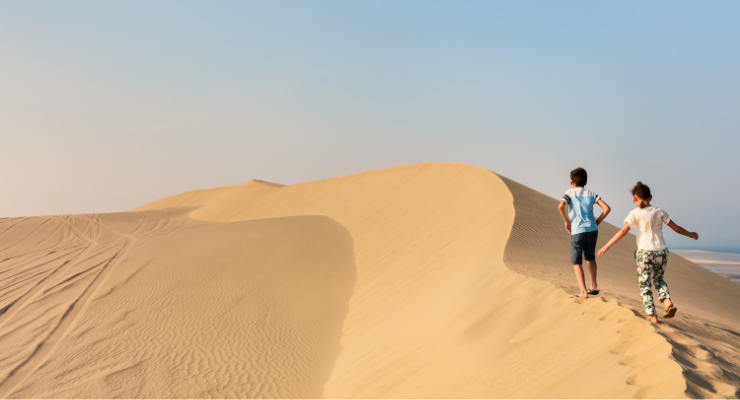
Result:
[622,233]
[606,211]
[682,231]
[561,208]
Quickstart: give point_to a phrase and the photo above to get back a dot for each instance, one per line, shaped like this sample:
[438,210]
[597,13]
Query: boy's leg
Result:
[581,280]
[590,255]
[576,258]
[644,272]
[592,272]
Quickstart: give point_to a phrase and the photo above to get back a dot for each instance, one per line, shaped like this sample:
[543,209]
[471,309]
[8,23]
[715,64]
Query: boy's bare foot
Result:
[654,319]
[580,296]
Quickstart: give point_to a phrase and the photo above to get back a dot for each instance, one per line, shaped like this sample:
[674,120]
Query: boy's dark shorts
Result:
[581,243]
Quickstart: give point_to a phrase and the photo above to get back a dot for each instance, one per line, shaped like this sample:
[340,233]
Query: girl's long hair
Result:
[642,192]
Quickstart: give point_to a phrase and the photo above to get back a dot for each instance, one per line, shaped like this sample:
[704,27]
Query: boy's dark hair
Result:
[642,192]
[579,176]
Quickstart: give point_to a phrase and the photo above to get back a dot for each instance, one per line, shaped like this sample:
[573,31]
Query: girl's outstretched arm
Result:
[622,233]
[682,231]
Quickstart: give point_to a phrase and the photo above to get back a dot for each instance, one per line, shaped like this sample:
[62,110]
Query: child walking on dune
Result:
[583,227]
[652,252]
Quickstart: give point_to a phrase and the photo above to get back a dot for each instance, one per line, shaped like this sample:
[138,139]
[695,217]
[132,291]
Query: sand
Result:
[425,281]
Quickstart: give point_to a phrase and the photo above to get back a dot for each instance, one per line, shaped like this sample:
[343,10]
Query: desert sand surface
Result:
[425,281]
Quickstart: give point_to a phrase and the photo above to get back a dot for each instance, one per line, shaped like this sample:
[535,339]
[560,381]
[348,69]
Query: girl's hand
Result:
[622,232]
[567,226]
[694,235]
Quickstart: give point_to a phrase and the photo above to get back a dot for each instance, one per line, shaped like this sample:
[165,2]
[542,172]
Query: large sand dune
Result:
[432,280]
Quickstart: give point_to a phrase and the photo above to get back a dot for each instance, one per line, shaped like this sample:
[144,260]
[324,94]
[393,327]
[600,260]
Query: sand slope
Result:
[432,280]
[704,335]
[155,305]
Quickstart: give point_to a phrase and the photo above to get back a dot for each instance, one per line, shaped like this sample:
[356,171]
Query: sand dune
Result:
[433,280]
[155,305]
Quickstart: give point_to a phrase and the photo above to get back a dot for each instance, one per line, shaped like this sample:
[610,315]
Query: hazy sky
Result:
[108,105]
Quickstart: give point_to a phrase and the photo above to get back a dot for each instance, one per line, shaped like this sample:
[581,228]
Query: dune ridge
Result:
[431,280]
[197,198]
[193,198]
[350,200]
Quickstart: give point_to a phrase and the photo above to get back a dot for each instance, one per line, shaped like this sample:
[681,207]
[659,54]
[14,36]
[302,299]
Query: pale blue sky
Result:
[108,105]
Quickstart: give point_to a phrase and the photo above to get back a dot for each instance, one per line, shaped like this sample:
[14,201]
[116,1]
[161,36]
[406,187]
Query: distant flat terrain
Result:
[724,264]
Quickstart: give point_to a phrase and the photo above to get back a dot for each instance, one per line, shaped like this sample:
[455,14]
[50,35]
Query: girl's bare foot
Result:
[581,295]
[668,304]
[670,309]
[654,319]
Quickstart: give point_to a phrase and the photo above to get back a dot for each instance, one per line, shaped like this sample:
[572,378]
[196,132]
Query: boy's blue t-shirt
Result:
[581,209]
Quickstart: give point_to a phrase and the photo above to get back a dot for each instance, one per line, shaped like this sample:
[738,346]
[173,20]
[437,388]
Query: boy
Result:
[583,227]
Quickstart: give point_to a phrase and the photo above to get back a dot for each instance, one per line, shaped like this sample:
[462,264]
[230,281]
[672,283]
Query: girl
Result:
[652,253]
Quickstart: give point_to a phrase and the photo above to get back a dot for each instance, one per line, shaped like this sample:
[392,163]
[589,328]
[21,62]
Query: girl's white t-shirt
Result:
[649,224]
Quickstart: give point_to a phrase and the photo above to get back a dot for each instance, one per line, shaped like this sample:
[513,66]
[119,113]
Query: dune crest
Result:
[435,304]
[424,281]
[193,198]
